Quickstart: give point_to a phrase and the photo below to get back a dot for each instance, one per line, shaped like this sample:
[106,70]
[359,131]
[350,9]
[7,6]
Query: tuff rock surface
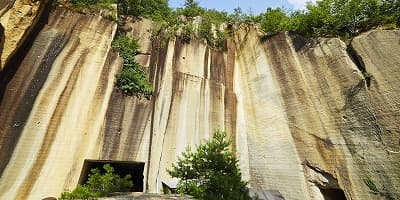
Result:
[307,118]
[18,18]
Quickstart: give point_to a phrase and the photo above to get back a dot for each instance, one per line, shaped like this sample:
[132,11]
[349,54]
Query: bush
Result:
[173,22]
[205,31]
[332,18]
[113,18]
[80,192]
[191,9]
[133,79]
[273,21]
[80,5]
[127,49]
[99,185]
[104,184]
[156,10]
[188,31]
[212,172]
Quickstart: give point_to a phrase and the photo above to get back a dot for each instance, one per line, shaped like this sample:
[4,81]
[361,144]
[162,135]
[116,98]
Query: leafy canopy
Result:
[321,18]
[152,9]
[212,172]
[99,184]
[338,18]
[332,17]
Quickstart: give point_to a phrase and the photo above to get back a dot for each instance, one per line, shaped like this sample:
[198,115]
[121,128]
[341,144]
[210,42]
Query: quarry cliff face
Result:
[314,120]
[54,105]
[17,18]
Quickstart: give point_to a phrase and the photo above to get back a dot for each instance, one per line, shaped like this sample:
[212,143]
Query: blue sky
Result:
[256,6]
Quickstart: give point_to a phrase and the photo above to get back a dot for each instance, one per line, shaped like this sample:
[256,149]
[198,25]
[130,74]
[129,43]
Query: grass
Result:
[370,184]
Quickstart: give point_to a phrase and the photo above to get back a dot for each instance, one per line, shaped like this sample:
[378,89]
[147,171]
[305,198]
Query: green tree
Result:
[212,172]
[390,12]
[191,9]
[100,184]
[237,15]
[153,9]
[91,2]
[343,17]
[273,21]
[191,4]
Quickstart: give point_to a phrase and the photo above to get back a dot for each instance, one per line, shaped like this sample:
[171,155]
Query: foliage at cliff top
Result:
[333,18]
[86,6]
[212,172]
[322,18]
[344,18]
[100,184]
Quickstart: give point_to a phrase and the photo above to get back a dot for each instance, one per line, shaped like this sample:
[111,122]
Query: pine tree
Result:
[212,172]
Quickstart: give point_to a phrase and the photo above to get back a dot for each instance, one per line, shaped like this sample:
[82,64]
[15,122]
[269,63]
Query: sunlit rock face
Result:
[378,133]
[18,18]
[303,117]
[53,107]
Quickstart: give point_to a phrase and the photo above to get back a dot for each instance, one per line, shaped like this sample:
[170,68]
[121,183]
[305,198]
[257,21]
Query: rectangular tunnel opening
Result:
[122,168]
[333,194]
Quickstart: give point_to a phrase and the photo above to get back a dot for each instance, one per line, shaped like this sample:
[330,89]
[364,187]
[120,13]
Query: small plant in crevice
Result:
[205,31]
[221,38]
[113,18]
[371,185]
[215,38]
[368,78]
[188,32]
[390,26]
[133,79]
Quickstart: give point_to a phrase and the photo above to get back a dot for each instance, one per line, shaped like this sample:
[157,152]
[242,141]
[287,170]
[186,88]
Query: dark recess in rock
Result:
[1,40]
[358,61]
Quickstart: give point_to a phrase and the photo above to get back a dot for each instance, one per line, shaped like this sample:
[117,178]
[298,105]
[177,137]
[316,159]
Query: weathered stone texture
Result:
[379,130]
[18,17]
[53,108]
[303,117]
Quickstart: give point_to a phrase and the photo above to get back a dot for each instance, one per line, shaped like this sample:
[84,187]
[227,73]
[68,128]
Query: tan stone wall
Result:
[53,108]
[301,113]
[18,17]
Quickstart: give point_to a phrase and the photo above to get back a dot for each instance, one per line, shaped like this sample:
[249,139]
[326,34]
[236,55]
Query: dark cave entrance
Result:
[332,194]
[122,168]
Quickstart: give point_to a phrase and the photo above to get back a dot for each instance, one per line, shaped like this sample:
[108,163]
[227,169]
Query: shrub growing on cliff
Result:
[133,79]
[99,185]
[212,172]
[215,18]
